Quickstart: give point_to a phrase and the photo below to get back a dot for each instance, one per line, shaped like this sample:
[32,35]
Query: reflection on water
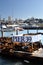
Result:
[4,61]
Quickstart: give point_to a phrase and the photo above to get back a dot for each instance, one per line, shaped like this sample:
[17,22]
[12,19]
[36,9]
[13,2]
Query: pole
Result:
[16,30]
[1,30]
[37,31]
[27,31]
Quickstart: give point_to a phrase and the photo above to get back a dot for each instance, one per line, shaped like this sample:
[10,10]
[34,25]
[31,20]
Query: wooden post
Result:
[27,31]
[37,31]
[16,32]
[1,31]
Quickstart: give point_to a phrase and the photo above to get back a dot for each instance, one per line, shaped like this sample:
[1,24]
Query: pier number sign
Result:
[22,39]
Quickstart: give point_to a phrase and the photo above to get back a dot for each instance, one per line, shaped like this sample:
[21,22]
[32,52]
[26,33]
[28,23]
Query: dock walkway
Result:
[38,53]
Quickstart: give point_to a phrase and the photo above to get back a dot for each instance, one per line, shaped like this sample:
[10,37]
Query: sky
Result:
[22,9]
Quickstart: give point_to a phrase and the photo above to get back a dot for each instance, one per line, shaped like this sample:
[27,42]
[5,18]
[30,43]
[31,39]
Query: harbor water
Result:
[6,61]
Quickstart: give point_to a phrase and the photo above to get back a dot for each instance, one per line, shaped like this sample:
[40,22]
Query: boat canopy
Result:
[29,38]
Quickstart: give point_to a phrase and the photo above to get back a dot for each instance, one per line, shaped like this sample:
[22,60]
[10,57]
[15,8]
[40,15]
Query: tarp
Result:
[29,38]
